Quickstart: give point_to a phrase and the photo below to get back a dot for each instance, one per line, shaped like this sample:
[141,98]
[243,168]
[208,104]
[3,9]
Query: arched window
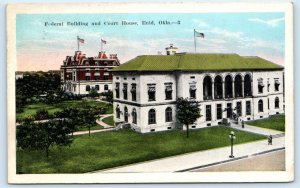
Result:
[168,114]
[207,88]
[151,116]
[238,91]
[218,87]
[125,114]
[87,88]
[118,112]
[228,87]
[247,86]
[276,102]
[260,106]
[134,116]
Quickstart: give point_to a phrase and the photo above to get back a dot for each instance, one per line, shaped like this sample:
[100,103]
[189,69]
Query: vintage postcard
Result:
[150,92]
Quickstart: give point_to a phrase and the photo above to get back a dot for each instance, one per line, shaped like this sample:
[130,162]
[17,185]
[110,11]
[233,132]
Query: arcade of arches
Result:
[230,87]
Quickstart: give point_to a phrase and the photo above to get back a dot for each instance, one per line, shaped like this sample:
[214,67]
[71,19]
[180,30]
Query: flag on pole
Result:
[198,34]
[80,40]
[103,41]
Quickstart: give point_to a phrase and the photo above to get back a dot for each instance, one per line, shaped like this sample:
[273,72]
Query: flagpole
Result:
[195,40]
[77,43]
[101,45]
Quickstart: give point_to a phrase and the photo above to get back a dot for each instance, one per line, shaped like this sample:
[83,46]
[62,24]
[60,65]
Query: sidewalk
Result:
[100,122]
[257,130]
[194,160]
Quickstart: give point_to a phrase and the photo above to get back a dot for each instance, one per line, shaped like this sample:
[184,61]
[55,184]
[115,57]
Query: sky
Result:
[41,47]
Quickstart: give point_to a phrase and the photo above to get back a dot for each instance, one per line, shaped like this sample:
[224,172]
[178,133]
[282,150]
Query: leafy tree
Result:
[88,117]
[187,112]
[93,93]
[109,96]
[41,136]
[41,114]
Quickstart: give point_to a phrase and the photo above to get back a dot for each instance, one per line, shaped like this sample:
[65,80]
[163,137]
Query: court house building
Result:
[146,89]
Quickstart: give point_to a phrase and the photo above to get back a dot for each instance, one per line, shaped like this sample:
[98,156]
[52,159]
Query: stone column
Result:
[233,95]
[223,89]
[213,90]
[243,84]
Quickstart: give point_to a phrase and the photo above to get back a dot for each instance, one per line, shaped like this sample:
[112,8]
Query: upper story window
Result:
[260,85]
[193,91]
[117,90]
[125,91]
[151,92]
[276,84]
[168,91]
[133,92]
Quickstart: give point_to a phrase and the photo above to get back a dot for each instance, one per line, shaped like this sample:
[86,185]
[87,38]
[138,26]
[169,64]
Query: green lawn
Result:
[94,127]
[116,148]
[32,108]
[109,120]
[274,122]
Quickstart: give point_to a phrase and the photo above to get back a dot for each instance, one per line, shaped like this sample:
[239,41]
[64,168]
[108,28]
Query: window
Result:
[97,77]
[260,85]
[125,91]
[238,86]
[87,88]
[105,87]
[151,92]
[133,92]
[151,117]
[276,85]
[239,108]
[219,111]
[125,114]
[117,90]
[208,112]
[228,87]
[118,112]
[87,78]
[168,114]
[229,110]
[247,86]
[248,107]
[106,77]
[192,77]
[218,87]
[276,102]
[207,88]
[193,91]
[97,87]
[168,91]
[134,116]
[268,88]
[260,106]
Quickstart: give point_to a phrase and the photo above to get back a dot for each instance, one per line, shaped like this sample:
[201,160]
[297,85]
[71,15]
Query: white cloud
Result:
[271,23]
[200,23]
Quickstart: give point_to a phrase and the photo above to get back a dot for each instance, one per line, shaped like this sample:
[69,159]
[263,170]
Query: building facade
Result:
[80,74]
[146,89]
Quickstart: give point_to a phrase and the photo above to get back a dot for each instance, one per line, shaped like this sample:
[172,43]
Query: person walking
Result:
[270,138]
[243,124]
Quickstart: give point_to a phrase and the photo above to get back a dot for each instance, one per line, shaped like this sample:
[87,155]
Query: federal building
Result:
[146,89]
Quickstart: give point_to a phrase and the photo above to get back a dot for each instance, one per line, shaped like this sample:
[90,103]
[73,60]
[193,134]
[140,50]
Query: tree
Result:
[187,112]
[40,136]
[42,114]
[93,93]
[88,117]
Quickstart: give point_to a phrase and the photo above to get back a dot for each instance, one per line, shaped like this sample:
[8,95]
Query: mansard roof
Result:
[196,62]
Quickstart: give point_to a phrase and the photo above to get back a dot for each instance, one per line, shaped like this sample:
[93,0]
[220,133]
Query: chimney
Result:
[171,50]
[102,55]
[113,56]
[77,54]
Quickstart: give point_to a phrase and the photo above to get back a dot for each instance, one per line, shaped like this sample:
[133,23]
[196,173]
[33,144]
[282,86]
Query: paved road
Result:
[274,161]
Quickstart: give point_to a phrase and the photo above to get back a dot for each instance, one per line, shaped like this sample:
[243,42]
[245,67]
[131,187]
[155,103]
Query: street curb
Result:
[231,160]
